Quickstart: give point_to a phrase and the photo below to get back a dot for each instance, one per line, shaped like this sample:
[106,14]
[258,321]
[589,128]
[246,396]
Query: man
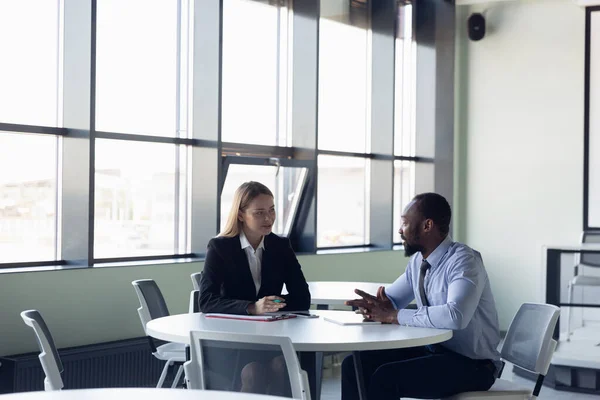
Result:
[452,291]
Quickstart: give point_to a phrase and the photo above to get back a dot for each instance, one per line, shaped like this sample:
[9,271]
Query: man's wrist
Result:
[251,309]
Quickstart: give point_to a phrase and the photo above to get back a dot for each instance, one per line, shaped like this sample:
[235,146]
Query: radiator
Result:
[124,363]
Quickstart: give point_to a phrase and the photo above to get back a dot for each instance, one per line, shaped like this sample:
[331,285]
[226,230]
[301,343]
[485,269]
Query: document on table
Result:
[261,318]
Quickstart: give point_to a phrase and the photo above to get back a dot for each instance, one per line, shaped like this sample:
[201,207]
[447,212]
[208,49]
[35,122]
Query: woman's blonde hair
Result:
[243,196]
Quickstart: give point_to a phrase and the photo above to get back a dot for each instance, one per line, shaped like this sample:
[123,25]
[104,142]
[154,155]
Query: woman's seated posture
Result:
[245,269]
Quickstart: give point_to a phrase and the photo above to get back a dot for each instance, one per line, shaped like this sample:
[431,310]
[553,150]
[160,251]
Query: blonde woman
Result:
[245,269]
[247,264]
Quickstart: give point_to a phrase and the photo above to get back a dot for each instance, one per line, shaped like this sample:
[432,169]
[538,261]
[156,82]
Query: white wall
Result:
[520,145]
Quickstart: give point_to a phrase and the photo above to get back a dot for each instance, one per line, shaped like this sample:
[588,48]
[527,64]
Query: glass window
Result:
[405,84]
[29,71]
[136,76]
[28,195]
[135,199]
[254,72]
[344,73]
[342,201]
[594,125]
[404,191]
[286,183]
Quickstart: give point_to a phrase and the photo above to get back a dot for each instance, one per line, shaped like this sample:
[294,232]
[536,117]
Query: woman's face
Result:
[258,218]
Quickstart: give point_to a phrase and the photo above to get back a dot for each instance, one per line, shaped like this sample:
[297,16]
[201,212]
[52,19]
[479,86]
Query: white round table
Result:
[310,336]
[307,334]
[336,293]
[137,393]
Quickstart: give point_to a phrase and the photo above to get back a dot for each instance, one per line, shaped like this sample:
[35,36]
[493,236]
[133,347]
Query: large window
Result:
[136,89]
[126,126]
[592,134]
[30,32]
[136,199]
[344,74]
[28,201]
[343,196]
[255,68]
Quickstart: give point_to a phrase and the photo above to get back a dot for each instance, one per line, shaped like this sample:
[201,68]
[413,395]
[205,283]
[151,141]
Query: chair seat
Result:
[502,389]
[171,350]
[586,280]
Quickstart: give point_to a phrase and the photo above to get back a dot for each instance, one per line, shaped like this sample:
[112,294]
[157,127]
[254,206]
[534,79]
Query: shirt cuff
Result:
[405,316]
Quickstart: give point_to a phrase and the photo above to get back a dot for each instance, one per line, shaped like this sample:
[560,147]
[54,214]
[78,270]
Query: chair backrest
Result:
[217,360]
[152,302]
[529,342]
[590,259]
[196,279]
[49,358]
[194,301]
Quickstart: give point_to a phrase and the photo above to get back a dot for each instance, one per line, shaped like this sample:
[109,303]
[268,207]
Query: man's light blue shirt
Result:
[460,298]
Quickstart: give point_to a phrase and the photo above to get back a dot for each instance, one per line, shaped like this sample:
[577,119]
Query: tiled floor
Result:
[332,387]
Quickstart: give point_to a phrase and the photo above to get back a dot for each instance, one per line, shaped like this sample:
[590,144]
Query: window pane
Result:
[404,191]
[254,72]
[343,75]
[137,66]
[27,197]
[342,201]
[594,125]
[135,199]
[405,84]
[286,185]
[29,37]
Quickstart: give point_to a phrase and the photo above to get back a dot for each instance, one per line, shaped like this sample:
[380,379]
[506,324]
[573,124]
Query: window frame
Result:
[587,227]
[210,157]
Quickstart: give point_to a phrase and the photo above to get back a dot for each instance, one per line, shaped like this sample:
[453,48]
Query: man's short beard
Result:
[409,250]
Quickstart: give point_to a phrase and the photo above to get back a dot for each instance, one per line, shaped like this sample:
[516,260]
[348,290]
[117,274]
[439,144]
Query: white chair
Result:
[196,280]
[529,345]
[586,262]
[152,306]
[194,306]
[51,363]
[198,375]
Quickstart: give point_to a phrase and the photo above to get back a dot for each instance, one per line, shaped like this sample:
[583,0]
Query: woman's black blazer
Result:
[227,285]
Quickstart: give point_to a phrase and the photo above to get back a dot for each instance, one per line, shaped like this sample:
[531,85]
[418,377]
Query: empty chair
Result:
[220,360]
[194,306]
[49,357]
[152,306]
[196,279]
[586,262]
[529,345]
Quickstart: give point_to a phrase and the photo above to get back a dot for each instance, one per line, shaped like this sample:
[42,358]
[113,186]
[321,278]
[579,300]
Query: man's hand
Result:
[379,308]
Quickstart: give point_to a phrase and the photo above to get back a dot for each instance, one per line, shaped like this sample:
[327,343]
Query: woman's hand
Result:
[266,305]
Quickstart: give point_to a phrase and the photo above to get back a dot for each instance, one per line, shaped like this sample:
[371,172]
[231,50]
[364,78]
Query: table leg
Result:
[360,382]
[312,363]
[553,283]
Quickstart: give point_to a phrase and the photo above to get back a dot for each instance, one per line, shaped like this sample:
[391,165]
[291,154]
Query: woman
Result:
[245,269]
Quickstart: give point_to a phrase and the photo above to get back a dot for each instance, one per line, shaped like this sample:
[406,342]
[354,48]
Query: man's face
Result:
[410,229]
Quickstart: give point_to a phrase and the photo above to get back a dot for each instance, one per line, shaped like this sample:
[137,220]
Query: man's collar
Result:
[436,255]
[245,243]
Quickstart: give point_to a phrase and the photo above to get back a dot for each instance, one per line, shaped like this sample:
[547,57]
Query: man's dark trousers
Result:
[428,372]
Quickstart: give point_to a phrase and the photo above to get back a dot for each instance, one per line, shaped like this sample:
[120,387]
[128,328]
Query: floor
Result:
[332,387]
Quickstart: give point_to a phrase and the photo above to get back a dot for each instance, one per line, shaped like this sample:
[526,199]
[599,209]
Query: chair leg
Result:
[163,375]
[177,377]
[570,298]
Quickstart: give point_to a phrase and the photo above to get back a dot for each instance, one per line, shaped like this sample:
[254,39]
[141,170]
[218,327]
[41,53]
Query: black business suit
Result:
[227,285]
